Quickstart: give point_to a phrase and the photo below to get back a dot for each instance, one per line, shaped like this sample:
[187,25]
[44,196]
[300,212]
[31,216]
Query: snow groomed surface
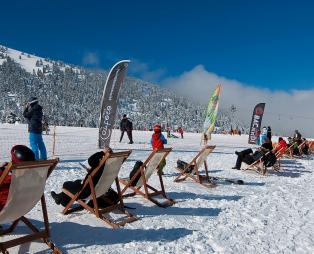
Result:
[272,214]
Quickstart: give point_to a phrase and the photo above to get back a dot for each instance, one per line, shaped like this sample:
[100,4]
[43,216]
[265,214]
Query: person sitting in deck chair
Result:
[19,153]
[75,186]
[249,157]
[158,141]
[281,145]
[294,150]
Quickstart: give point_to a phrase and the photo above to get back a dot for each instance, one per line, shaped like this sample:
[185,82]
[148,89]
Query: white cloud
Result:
[143,71]
[91,58]
[285,111]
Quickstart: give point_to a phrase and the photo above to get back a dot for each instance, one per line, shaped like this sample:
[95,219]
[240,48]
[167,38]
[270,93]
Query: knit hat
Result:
[157,128]
[32,100]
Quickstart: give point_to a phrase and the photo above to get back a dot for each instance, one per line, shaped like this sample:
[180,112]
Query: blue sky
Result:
[268,44]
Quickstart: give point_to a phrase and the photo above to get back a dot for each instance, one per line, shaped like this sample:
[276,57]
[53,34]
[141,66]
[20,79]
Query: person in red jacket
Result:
[282,144]
[180,130]
[19,153]
[158,141]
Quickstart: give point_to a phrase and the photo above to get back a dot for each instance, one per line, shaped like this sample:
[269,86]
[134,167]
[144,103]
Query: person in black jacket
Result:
[126,125]
[249,157]
[34,114]
[269,134]
[76,186]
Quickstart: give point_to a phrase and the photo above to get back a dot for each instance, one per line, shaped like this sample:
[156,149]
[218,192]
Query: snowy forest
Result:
[71,95]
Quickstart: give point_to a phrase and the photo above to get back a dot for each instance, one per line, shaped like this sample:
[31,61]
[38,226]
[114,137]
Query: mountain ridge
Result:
[70,95]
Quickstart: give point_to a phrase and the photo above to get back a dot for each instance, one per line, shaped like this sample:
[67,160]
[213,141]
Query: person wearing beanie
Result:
[34,114]
[75,186]
[158,141]
[19,153]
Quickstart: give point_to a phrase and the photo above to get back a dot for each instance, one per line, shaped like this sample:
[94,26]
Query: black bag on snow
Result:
[183,164]
[270,159]
[110,198]
[136,167]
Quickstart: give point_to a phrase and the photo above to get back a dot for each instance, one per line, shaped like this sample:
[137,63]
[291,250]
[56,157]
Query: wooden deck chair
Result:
[279,154]
[150,165]
[260,167]
[26,189]
[311,146]
[197,162]
[113,163]
[300,147]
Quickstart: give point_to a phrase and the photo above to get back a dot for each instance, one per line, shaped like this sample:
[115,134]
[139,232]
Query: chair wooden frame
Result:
[195,173]
[311,145]
[97,211]
[143,181]
[260,169]
[37,234]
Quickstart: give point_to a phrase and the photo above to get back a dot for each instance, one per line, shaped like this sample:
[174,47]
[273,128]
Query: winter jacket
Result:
[269,133]
[126,125]
[4,189]
[267,146]
[281,145]
[262,137]
[34,115]
[158,140]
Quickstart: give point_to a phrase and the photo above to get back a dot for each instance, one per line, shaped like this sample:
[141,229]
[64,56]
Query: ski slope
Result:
[273,214]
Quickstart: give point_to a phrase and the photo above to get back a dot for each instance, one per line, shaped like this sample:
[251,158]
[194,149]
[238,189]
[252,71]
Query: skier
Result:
[157,141]
[126,125]
[34,114]
[19,153]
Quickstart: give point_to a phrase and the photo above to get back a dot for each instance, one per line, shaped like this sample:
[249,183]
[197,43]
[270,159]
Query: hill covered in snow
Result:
[71,96]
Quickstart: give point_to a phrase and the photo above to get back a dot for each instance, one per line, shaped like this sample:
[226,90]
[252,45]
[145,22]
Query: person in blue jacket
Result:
[262,137]
[34,114]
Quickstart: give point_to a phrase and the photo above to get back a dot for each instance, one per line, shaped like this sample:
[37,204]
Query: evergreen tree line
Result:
[71,96]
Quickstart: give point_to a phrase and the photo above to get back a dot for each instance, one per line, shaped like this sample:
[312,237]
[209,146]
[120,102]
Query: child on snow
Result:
[19,153]
[158,140]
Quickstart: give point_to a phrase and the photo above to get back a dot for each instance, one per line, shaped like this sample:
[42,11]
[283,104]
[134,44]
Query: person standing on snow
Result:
[126,125]
[158,141]
[269,133]
[180,130]
[262,137]
[34,114]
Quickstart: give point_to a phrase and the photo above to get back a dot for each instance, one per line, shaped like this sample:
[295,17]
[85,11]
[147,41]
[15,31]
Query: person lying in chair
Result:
[75,186]
[249,157]
[19,153]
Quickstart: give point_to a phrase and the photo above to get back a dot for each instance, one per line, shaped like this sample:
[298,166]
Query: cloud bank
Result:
[285,111]
[91,58]
[144,71]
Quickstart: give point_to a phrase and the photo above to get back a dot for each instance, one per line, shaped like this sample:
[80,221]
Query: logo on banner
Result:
[105,130]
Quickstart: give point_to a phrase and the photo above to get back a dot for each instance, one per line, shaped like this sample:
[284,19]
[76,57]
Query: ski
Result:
[234,181]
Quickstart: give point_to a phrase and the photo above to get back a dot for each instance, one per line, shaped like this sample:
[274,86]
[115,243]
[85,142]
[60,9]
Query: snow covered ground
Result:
[272,214]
